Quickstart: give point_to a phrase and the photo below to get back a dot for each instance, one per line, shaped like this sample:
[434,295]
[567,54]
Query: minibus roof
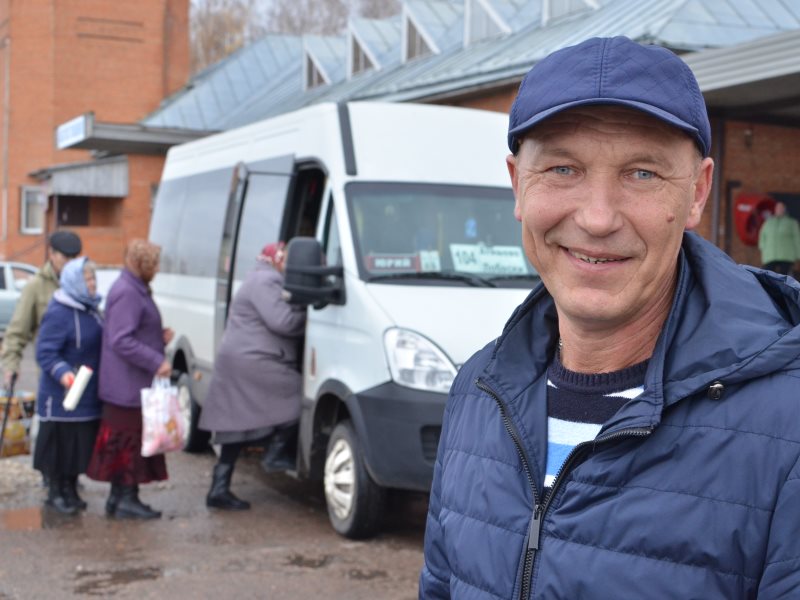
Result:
[385,142]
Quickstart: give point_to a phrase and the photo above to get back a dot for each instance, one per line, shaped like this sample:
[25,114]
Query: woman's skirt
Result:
[117,454]
[64,448]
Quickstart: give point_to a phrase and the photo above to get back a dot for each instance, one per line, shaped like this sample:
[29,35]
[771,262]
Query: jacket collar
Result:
[62,297]
[135,282]
[48,272]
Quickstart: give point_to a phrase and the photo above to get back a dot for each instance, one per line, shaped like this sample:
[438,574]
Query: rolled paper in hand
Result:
[76,390]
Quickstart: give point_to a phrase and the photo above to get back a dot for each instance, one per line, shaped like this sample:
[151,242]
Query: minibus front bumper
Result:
[399,428]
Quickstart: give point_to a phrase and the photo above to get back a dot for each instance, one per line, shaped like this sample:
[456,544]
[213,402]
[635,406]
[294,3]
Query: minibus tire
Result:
[362,516]
[197,439]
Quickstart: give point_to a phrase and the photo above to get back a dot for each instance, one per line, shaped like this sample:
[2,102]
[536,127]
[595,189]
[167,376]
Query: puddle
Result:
[360,575]
[23,519]
[298,560]
[102,583]
[35,518]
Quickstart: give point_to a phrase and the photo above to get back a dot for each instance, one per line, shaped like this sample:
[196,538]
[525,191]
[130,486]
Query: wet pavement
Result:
[283,548]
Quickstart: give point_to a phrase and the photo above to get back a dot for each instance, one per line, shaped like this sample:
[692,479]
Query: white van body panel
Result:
[347,343]
[429,144]
[458,323]
[309,133]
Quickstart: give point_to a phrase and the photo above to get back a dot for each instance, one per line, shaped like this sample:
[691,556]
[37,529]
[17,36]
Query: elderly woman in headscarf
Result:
[254,394]
[133,354]
[69,337]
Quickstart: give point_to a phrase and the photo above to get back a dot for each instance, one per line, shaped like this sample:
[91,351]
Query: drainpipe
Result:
[730,188]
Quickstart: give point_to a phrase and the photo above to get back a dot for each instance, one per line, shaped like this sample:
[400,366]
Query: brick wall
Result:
[68,57]
[764,159]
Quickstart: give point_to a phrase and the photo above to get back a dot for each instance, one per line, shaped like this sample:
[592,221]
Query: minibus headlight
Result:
[416,362]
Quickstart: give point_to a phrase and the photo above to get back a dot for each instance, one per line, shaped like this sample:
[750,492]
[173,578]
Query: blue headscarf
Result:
[73,283]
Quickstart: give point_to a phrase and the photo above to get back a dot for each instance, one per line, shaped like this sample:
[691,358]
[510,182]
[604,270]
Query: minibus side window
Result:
[167,217]
[332,243]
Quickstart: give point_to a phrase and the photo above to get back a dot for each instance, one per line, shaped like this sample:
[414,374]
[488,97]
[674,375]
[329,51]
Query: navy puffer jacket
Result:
[692,490]
[70,336]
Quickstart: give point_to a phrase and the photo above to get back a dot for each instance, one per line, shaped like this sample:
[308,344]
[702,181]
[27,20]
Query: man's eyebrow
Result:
[554,151]
[650,158]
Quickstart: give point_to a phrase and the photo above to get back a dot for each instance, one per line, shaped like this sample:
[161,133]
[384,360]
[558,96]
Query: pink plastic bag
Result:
[163,427]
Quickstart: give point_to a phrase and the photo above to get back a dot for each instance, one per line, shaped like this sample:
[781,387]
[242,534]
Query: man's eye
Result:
[561,170]
[643,174]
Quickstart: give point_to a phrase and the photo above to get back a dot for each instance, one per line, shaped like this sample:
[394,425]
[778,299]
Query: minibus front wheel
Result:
[355,502]
[195,439]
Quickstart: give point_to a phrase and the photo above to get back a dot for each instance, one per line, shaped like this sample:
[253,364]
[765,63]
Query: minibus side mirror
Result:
[306,280]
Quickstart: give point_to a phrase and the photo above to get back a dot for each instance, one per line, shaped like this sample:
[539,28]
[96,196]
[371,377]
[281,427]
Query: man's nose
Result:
[599,210]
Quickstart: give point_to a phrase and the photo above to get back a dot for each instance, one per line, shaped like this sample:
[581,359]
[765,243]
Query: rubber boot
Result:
[281,450]
[69,490]
[147,506]
[56,500]
[220,495]
[113,499]
[130,507]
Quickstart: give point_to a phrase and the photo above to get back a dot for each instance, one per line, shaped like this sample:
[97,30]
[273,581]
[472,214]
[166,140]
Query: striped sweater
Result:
[579,403]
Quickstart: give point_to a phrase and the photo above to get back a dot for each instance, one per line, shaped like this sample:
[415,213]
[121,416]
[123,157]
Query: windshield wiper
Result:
[518,277]
[469,278]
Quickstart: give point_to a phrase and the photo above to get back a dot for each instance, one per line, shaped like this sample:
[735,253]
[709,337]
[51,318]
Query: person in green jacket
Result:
[779,242]
[33,301]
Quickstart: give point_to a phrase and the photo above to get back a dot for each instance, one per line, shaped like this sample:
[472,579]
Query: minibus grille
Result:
[430,441]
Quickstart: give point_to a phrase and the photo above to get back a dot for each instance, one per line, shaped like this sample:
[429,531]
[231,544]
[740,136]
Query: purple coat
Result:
[133,342]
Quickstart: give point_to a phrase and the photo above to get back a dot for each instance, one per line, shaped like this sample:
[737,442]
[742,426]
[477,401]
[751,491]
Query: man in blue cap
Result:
[633,431]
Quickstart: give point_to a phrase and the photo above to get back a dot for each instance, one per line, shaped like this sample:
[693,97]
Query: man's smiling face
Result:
[604,195]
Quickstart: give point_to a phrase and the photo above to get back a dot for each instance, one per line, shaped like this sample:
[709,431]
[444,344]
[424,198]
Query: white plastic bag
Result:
[162,425]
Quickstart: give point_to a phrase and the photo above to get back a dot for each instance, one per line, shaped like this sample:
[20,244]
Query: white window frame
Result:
[28,195]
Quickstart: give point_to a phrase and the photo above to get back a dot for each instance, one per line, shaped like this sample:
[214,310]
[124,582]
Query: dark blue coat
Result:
[69,336]
[691,491]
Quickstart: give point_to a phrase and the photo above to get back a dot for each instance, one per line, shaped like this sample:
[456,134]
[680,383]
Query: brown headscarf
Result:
[141,258]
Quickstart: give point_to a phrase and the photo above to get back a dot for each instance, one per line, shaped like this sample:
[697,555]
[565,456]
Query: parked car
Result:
[13,277]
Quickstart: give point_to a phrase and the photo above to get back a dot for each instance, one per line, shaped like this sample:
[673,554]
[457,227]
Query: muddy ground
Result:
[283,548]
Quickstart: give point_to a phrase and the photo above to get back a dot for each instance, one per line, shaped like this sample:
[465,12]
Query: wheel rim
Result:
[185,403]
[340,488]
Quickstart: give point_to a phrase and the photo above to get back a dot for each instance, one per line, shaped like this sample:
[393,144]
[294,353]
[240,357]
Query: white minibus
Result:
[411,208]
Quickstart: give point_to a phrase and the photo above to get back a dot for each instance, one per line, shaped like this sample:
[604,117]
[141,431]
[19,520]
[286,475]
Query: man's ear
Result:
[702,188]
[511,163]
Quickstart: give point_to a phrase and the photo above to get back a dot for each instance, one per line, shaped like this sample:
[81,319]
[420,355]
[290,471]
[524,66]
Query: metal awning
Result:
[759,80]
[104,178]
[85,133]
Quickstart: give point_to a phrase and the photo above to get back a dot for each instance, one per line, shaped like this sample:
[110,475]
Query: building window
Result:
[33,203]
[416,45]
[314,77]
[73,211]
[361,61]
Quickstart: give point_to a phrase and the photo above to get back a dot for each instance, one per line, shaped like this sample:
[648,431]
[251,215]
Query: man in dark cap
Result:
[633,431]
[33,301]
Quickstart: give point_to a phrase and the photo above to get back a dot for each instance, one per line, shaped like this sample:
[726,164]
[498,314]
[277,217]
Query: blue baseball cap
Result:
[614,71]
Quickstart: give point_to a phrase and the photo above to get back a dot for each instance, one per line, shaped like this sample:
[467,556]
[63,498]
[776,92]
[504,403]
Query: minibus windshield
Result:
[418,234]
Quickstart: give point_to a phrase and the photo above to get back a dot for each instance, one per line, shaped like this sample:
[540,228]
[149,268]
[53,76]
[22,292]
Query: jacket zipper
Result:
[533,534]
[540,510]
[567,465]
